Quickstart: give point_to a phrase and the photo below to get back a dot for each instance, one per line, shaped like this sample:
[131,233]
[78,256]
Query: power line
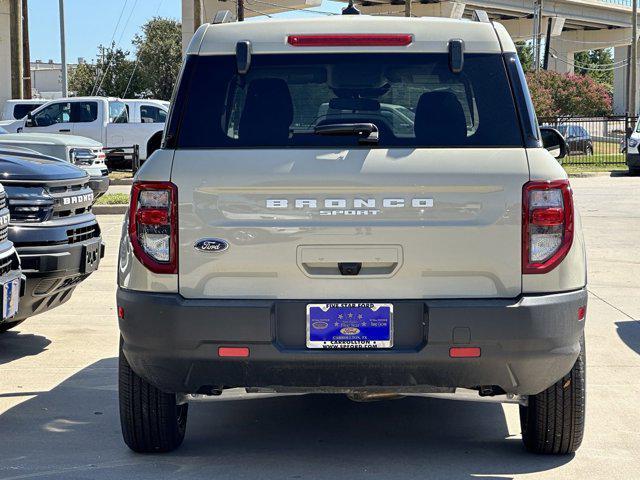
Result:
[135,66]
[593,68]
[113,36]
[258,12]
[124,29]
[106,71]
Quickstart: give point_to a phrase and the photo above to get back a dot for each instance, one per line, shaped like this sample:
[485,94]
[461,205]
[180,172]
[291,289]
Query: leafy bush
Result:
[557,94]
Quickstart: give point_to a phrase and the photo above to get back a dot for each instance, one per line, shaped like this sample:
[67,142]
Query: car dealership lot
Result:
[58,395]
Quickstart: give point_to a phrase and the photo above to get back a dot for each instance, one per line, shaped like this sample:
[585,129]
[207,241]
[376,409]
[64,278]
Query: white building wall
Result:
[5,53]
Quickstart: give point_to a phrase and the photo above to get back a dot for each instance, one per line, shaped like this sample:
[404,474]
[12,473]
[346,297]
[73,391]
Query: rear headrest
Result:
[267,114]
[440,120]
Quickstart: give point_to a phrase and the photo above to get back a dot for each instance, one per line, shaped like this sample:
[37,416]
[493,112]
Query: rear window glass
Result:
[21,110]
[414,100]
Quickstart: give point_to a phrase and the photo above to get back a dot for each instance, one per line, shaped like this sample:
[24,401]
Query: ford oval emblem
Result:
[211,245]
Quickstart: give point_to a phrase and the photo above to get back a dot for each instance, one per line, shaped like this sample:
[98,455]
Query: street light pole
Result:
[63,52]
[537,32]
[633,63]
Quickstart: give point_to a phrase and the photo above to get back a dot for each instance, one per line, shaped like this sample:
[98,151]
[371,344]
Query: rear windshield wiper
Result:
[367,132]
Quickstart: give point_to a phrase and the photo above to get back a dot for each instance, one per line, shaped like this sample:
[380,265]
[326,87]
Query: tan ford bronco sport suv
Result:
[292,236]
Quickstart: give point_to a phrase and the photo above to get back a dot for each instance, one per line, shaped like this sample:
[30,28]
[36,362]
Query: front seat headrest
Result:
[267,114]
[440,120]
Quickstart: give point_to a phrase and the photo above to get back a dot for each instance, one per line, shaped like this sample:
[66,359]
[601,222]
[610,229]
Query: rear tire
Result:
[151,420]
[553,421]
[9,325]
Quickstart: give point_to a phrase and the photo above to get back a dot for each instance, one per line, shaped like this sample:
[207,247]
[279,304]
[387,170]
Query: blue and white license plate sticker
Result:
[10,297]
[349,325]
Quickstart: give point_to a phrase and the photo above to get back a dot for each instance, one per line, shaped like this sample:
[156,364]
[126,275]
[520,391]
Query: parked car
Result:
[83,152]
[578,139]
[18,109]
[102,119]
[349,257]
[52,227]
[631,150]
[11,278]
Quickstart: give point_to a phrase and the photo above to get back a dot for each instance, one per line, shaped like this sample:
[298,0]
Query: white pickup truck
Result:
[106,120]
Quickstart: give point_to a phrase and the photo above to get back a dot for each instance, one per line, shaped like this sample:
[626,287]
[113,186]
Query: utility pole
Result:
[26,51]
[633,64]
[15,34]
[63,52]
[240,15]
[407,8]
[197,14]
[547,45]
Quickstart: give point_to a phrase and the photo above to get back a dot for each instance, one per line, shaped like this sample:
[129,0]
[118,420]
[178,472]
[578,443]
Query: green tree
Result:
[159,54]
[598,64]
[525,53]
[109,76]
[556,94]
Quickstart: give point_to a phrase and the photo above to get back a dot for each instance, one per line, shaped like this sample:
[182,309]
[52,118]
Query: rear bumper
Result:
[527,344]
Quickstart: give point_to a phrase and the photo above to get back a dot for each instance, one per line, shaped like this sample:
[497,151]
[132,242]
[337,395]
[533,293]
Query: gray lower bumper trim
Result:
[527,344]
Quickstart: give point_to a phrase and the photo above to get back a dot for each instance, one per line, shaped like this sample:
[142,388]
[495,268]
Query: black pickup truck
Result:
[52,227]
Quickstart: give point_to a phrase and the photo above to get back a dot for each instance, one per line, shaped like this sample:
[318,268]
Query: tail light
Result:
[153,225]
[547,225]
[350,40]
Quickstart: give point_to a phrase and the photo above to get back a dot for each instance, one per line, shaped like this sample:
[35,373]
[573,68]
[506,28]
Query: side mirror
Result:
[554,142]
[29,121]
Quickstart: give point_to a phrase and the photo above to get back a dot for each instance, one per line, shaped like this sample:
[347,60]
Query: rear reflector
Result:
[153,216]
[582,312]
[547,217]
[233,352]
[350,40]
[464,352]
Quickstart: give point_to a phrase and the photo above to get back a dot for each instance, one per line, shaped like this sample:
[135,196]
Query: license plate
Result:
[349,325]
[91,257]
[10,297]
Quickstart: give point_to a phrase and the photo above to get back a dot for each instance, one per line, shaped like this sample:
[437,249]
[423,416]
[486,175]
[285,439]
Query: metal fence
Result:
[594,140]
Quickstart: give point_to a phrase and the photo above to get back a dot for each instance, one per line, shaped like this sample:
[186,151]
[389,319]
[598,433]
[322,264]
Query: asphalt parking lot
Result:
[58,395]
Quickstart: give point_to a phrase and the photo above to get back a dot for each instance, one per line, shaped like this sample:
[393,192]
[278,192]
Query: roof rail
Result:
[480,16]
[223,16]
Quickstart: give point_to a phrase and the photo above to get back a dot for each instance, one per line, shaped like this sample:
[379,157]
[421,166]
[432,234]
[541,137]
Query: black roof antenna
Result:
[350,9]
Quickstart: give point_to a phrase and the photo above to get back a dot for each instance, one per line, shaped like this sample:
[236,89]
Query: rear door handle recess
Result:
[64,130]
[339,261]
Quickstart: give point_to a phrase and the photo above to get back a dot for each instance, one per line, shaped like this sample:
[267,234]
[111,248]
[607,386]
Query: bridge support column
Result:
[563,63]
[620,81]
